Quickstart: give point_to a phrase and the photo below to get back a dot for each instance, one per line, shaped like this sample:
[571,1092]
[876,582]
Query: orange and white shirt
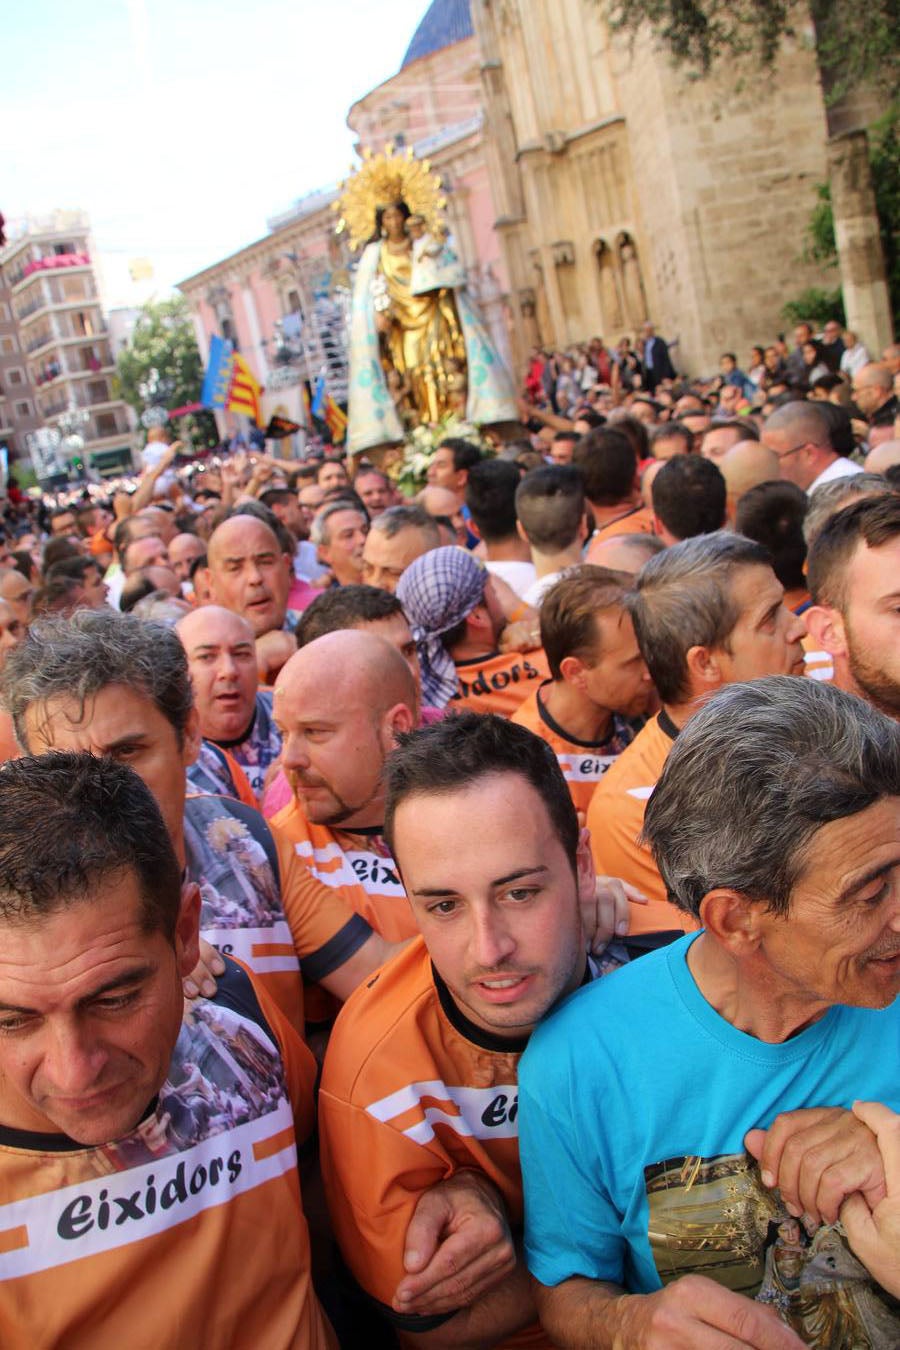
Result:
[216,771]
[636,521]
[411,1093]
[615,818]
[257,902]
[354,867]
[189,1231]
[583,762]
[498,683]
[817,665]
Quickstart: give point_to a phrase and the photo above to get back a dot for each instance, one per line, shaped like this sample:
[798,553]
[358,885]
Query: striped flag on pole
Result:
[244,392]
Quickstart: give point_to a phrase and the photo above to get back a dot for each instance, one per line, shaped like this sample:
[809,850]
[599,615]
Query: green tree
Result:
[163,340]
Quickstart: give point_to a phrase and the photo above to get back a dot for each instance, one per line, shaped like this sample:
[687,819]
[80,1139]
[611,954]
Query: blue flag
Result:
[218,374]
[318,403]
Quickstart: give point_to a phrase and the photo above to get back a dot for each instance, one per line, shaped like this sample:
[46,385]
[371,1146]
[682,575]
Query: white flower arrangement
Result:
[411,471]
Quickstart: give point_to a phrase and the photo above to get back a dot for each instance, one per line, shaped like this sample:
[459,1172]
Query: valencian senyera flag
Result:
[244,392]
[336,420]
[230,383]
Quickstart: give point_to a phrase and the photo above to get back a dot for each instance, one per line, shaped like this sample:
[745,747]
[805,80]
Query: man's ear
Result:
[187,929]
[520,531]
[480,618]
[572,669]
[400,718]
[732,919]
[704,668]
[826,627]
[190,745]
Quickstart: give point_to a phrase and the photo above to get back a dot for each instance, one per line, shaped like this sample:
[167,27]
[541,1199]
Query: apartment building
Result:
[63,337]
[18,406]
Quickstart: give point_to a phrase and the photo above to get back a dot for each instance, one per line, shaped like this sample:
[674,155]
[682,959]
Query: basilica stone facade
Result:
[626,191]
[591,186]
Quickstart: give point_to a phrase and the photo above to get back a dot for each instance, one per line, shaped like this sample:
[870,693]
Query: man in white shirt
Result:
[855,355]
[550,508]
[800,435]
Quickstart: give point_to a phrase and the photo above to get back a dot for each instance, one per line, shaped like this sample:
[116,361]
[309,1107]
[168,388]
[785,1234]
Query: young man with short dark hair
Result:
[592,706]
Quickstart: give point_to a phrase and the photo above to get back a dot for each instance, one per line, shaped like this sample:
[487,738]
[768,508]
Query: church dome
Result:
[444,22]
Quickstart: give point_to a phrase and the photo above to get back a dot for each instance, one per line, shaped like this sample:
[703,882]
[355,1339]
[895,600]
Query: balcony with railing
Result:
[59,405]
[102,425]
[48,263]
[38,301]
[45,338]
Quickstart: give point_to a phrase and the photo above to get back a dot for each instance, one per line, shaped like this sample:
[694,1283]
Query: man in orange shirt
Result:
[609,467]
[120,688]
[599,688]
[141,1143]
[420,1077]
[450,602]
[235,714]
[707,612]
[340,702]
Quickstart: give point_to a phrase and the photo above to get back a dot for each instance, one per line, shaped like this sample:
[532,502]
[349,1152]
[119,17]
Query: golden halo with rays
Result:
[382,179]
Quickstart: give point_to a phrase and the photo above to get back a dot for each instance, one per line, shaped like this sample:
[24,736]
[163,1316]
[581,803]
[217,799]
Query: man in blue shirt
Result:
[645,1098]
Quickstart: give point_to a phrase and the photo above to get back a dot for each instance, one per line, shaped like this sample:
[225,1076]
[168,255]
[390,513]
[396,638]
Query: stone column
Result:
[866,298]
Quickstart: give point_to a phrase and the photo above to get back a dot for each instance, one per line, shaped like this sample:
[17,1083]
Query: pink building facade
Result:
[283,299]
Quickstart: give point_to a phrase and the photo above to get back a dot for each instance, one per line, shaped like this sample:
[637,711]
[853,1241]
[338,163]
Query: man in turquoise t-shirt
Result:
[644,1099]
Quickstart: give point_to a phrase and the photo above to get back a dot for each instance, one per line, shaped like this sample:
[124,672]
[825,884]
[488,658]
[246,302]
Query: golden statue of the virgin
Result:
[418,348]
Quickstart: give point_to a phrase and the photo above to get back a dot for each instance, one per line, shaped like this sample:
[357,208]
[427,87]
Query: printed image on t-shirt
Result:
[713,1217]
[232,858]
[221,1126]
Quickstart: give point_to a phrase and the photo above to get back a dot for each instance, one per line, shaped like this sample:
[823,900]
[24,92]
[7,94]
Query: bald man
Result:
[339,703]
[883,457]
[249,574]
[441,502]
[234,714]
[183,550]
[800,435]
[743,467]
[647,478]
[627,552]
[149,551]
[873,394]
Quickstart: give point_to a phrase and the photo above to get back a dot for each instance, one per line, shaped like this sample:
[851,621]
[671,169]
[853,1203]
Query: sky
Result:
[179,126]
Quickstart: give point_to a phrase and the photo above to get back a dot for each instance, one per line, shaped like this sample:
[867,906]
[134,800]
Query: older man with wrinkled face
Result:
[100,1062]
[775,823]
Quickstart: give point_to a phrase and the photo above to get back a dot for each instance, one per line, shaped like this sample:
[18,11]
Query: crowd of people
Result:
[469,919]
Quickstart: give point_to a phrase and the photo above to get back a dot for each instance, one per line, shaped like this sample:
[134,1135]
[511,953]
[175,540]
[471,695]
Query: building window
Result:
[106,424]
[23,409]
[8,345]
[16,376]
